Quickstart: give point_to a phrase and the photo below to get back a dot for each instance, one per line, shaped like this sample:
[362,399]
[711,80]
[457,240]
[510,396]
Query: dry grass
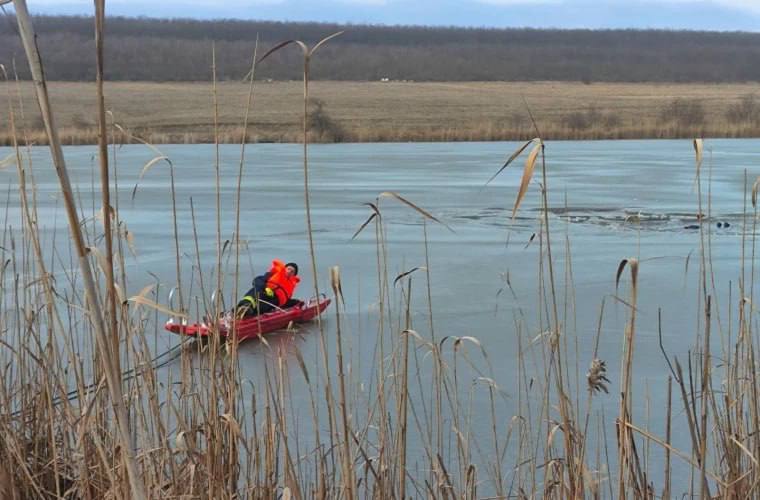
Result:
[402,111]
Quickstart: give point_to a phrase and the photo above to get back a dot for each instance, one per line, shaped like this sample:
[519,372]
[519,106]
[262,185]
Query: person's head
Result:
[291,268]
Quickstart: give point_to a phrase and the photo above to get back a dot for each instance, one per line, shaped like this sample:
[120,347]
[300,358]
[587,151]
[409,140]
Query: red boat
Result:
[256,325]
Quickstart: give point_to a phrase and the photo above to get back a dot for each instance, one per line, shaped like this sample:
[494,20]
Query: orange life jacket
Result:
[282,285]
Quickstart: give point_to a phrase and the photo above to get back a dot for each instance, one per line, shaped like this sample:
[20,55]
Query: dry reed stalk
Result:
[564,406]
[105,186]
[214,455]
[435,424]
[379,409]
[704,486]
[555,362]
[348,473]
[402,410]
[217,186]
[597,382]
[236,236]
[385,311]
[241,163]
[625,439]
[307,55]
[35,64]
[754,388]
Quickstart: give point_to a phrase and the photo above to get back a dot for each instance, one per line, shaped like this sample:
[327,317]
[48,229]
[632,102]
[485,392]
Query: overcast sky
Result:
[723,15]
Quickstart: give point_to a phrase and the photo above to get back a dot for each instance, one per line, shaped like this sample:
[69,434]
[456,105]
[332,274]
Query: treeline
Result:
[180,50]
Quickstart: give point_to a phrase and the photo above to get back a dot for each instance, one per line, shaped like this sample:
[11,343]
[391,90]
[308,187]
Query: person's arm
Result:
[260,282]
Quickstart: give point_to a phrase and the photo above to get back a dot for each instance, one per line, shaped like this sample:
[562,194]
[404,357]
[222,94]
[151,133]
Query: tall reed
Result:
[104,345]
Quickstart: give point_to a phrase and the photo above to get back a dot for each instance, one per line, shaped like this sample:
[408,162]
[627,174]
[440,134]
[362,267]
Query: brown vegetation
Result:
[397,111]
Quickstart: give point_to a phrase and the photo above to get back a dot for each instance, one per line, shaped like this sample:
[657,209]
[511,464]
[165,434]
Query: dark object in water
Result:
[720,224]
[692,226]
[724,224]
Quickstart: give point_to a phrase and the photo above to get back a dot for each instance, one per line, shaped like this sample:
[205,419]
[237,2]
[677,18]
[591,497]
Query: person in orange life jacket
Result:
[270,291]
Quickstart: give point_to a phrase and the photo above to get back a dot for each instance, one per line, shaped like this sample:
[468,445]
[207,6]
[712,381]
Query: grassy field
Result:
[406,111]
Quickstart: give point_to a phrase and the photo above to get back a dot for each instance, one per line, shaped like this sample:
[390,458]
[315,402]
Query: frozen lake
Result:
[609,200]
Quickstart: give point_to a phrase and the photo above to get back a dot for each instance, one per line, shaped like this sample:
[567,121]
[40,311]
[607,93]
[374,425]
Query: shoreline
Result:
[84,138]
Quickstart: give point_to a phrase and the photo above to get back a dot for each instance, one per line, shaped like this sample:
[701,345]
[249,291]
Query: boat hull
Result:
[256,325]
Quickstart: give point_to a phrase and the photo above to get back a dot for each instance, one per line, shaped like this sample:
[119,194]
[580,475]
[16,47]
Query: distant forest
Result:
[180,50]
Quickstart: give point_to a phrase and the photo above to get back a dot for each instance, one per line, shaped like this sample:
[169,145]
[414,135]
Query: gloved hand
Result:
[269,292]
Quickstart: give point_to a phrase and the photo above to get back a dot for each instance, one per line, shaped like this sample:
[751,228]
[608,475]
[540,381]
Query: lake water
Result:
[610,200]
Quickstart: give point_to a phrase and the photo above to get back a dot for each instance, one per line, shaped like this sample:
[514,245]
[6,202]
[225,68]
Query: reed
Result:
[93,302]
[123,421]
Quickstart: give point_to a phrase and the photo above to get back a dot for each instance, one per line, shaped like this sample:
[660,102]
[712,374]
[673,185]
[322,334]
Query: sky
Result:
[719,15]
